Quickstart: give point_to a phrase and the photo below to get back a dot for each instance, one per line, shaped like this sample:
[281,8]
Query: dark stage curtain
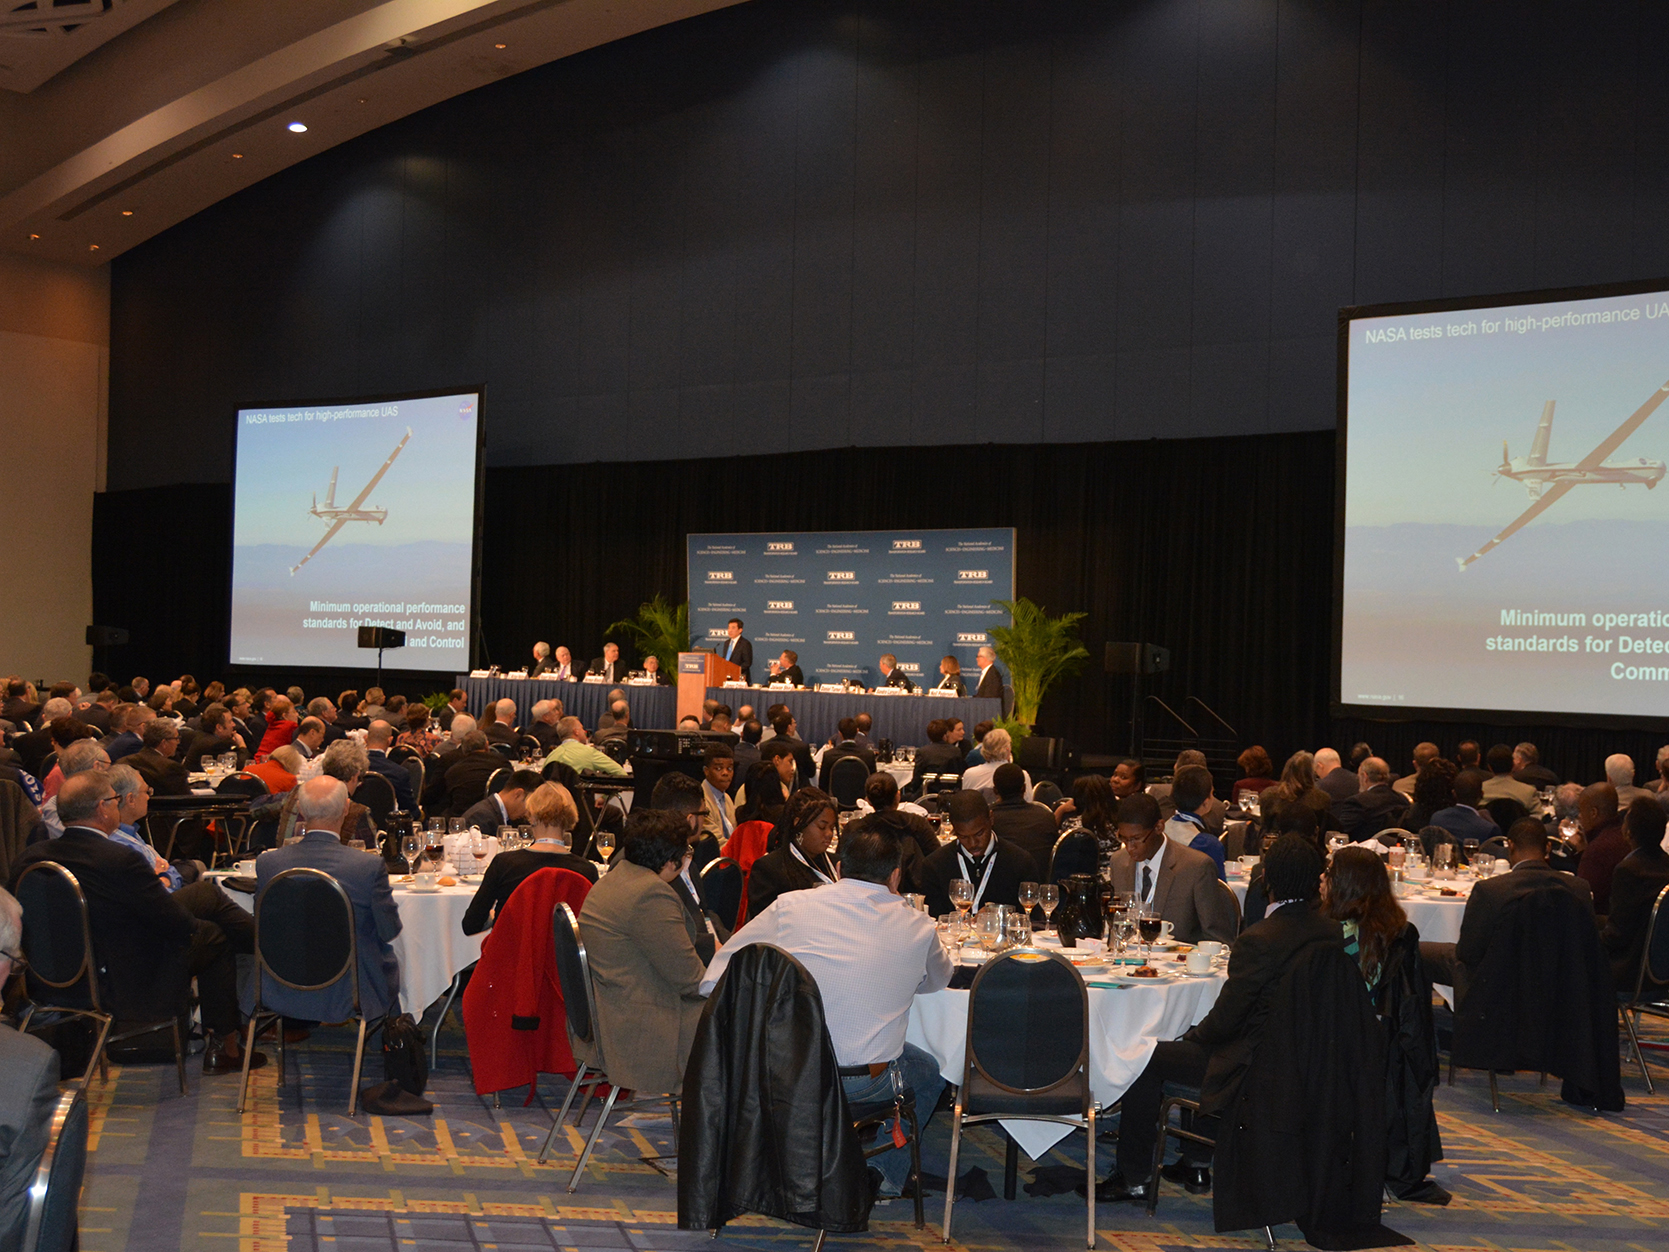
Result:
[1219,549]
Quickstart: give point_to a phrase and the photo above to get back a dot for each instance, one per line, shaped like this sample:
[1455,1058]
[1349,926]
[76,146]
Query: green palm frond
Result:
[660,629]
[1039,650]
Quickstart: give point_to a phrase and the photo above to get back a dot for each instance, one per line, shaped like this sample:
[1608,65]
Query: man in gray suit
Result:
[643,963]
[322,805]
[1179,882]
[28,1090]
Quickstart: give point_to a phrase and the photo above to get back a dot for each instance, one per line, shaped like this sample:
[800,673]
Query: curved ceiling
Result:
[119,118]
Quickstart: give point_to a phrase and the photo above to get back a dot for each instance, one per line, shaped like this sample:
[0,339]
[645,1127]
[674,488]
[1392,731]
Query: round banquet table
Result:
[1436,917]
[1125,1025]
[431,946]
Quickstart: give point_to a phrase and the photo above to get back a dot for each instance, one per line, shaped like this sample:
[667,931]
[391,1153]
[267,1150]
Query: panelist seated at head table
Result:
[785,670]
[891,675]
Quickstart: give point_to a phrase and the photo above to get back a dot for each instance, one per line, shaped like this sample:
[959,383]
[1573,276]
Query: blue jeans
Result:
[922,1079]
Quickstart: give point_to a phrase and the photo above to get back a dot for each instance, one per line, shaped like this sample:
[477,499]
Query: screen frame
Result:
[479,391]
[1400,713]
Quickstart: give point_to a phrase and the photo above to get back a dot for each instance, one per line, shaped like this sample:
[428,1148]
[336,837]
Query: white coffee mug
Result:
[424,880]
[1198,961]
[1249,861]
[1210,947]
[244,869]
[1166,929]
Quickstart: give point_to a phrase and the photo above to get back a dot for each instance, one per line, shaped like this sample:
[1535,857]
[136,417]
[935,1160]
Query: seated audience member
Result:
[464,775]
[63,732]
[1433,791]
[348,714]
[766,789]
[1255,773]
[1604,843]
[870,959]
[309,738]
[1462,819]
[1331,776]
[1093,808]
[797,854]
[881,791]
[1180,883]
[542,663]
[346,762]
[279,771]
[1619,772]
[845,743]
[1293,820]
[788,734]
[1424,753]
[746,749]
[1298,786]
[166,776]
[1214,1055]
[1022,822]
[507,806]
[147,942]
[321,810]
[33,746]
[950,676]
[82,756]
[20,708]
[547,716]
[785,670]
[96,711]
[996,748]
[321,709]
[935,756]
[26,1098]
[681,795]
[281,726]
[457,701]
[994,866]
[129,722]
[502,729]
[379,738]
[1189,793]
[1130,776]
[718,809]
[891,675]
[1501,783]
[1527,767]
[215,736]
[643,962]
[973,753]
[576,752]
[1636,883]
[1376,806]
[1215,813]
[132,804]
[1468,755]
[609,665]
[1447,963]
[553,815]
[621,713]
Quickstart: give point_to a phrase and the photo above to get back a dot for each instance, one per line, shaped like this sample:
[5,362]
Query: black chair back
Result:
[1028,1035]
[500,780]
[377,794]
[57,933]
[414,767]
[50,1223]
[304,931]
[48,761]
[505,750]
[721,888]
[846,781]
[615,749]
[573,972]
[403,752]
[1653,983]
[1075,852]
[529,743]
[1506,810]
[242,783]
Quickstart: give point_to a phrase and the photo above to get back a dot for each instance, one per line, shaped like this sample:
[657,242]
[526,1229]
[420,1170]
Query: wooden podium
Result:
[698,671]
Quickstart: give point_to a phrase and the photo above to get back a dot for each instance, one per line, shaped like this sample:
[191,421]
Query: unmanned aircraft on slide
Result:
[355,512]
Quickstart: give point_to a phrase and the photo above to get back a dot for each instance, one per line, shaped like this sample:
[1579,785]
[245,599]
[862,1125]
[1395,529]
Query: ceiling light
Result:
[298,128]
[34,236]
[92,247]
[127,212]
[237,156]
[501,46]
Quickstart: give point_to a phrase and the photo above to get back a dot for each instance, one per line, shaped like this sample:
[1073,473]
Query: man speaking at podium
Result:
[737,650]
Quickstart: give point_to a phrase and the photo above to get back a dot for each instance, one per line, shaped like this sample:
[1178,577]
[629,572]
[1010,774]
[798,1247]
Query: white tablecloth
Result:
[431,946]
[1436,917]
[1126,1024]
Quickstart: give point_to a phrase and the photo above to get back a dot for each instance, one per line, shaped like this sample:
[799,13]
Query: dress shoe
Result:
[1112,1190]
[216,1060]
[1196,1179]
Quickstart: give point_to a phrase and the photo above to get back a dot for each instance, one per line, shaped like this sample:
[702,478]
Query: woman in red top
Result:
[1255,769]
[281,726]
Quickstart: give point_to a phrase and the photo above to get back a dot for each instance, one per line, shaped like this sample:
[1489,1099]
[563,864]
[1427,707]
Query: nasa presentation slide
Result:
[1501,525]
[350,515]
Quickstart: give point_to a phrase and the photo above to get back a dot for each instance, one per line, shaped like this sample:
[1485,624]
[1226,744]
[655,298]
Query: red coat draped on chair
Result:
[514,1016]
[745,846]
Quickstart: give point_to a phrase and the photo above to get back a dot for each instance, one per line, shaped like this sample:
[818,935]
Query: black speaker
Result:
[106,636]
[381,637]
[1136,658]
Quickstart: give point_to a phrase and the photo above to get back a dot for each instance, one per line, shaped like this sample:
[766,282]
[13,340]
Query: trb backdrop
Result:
[840,599]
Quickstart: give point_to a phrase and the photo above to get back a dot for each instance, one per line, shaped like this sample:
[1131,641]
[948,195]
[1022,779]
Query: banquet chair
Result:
[1081,856]
[499,780]
[1505,811]
[305,940]
[47,762]
[1027,1055]
[49,1220]
[1651,985]
[846,781]
[414,767]
[58,945]
[1234,900]
[579,997]
[529,743]
[720,884]
[1192,1108]
[615,749]
[505,750]
[377,794]
[238,827]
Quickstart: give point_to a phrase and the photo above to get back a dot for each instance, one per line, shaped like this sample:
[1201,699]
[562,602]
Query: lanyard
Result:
[795,849]
[968,869]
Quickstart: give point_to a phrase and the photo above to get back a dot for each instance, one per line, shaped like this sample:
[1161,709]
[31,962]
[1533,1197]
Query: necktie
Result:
[729,648]
[1147,882]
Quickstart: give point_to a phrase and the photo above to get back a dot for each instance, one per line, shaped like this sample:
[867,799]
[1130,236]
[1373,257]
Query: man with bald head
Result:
[379,737]
[1331,775]
[1619,772]
[1374,807]
[321,807]
[1601,819]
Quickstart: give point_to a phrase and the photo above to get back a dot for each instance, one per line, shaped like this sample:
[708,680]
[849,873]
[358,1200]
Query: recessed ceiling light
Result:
[127,212]
[34,236]
[92,247]
[362,99]
[237,156]
[501,46]
[298,128]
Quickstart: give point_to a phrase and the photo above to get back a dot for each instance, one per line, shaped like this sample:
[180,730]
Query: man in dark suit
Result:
[505,807]
[33,746]
[1332,777]
[309,738]
[155,761]
[379,737]
[845,745]
[684,796]
[1020,821]
[1527,767]
[448,754]
[1462,819]
[546,714]
[19,710]
[1374,807]
[321,806]
[147,943]
[891,675]
[1605,843]
[502,729]
[609,665]
[466,777]
[129,722]
[215,736]
[1180,883]
[737,650]
[990,678]
[457,701]
[542,663]
[935,756]
[788,730]
[1214,1055]
[1447,963]
[1636,883]
[785,670]
[28,1090]
[994,866]
[746,751]
[96,711]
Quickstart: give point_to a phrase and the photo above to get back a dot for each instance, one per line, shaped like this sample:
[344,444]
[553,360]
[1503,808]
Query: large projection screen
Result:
[359,513]
[1499,527]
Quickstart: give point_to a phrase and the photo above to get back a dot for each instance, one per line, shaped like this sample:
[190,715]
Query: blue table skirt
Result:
[903,719]
[653,708]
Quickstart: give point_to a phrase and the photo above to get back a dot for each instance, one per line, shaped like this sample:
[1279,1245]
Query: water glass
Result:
[1049,896]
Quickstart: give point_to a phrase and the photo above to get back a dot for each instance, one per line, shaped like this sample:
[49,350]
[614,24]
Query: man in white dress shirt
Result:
[870,955]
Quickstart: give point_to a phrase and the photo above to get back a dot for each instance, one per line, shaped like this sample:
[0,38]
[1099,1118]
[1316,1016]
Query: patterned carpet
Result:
[171,1172]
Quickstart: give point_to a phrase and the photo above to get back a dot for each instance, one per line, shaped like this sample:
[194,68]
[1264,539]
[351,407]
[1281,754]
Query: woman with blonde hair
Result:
[553,814]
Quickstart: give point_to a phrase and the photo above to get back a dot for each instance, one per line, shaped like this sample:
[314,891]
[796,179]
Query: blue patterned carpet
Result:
[168,1172]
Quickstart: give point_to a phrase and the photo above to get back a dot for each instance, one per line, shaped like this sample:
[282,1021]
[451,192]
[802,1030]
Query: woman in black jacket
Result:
[797,856]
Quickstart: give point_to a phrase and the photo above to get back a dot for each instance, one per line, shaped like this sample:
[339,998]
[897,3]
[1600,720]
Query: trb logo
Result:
[779,606]
[721,576]
[909,667]
[906,545]
[843,636]
[843,576]
[973,575]
[779,547]
[906,606]
[971,637]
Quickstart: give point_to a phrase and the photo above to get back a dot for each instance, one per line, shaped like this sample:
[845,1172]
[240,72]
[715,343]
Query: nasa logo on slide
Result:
[906,545]
[973,575]
[779,549]
[721,576]
[972,638]
[466,410]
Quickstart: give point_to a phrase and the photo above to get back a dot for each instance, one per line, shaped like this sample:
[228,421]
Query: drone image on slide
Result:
[339,518]
[1548,481]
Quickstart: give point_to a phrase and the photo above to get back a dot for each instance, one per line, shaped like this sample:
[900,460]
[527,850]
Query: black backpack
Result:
[405,1060]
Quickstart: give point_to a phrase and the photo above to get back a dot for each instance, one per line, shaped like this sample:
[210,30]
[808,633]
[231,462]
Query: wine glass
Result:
[1335,841]
[962,897]
[1017,929]
[1148,926]
[478,850]
[454,825]
[408,851]
[509,837]
[1470,844]
[1568,829]
[605,844]
[1049,896]
[1124,924]
[1442,860]
[1028,898]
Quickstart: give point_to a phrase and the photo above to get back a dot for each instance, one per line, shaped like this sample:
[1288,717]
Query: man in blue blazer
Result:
[1462,818]
[378,739]
[320,808]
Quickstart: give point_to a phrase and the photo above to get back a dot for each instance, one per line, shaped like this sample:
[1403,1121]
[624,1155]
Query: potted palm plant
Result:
[1038,650]
[660,629]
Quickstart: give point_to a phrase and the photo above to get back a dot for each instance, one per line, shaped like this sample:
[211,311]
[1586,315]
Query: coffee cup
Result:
[244,869]
[423,881]
[1249,861]
[1166,929]
[1198,961]
[1210,947]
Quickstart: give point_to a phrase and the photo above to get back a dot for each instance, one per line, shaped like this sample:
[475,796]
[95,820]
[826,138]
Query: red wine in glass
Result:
[436,852]
[1148,928]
